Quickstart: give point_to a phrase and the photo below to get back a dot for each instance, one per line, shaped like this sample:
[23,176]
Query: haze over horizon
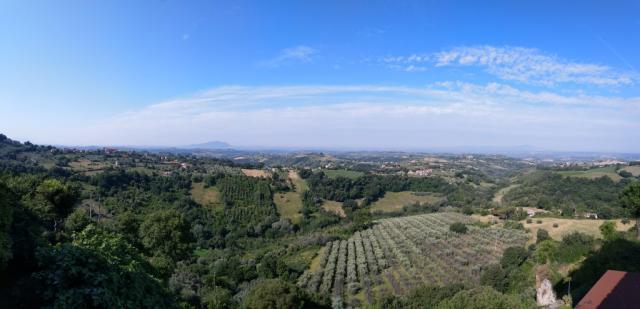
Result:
[356,75]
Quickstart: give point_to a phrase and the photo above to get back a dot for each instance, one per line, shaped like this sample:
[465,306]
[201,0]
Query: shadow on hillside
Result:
[620,254]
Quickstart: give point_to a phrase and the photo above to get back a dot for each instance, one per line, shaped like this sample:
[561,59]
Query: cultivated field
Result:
[609,171]
[395,201]
[402,253]
[343,173]
[204,196]
[635,170]
[567,226]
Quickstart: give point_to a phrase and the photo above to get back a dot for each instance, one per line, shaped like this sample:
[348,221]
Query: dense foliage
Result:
[124,229]
[371,187]
[550,191]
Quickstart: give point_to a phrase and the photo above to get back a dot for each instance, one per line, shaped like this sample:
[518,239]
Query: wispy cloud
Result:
[526,65]
[299,53]
[369,116]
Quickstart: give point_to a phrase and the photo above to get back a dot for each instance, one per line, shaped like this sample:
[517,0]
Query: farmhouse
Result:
[615,289]
[587,215]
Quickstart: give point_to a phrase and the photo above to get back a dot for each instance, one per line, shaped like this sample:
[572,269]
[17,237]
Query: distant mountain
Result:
[209,145]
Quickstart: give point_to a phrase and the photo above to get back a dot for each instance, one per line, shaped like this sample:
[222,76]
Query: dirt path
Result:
[500,194]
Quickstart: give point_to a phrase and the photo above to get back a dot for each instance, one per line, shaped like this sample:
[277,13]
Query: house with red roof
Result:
[615,289]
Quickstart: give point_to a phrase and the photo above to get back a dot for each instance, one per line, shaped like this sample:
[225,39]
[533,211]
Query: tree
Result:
[350,205]
[6,217]
[630,199]
[513,257]
[495,277]
[546,251]
[97,270]
[77,220]
[542,235]
[624,174]
[271,266]
[430,296]
[166,233]
[53,201]
[458,227]
[274,294]
[217,297]
[608,230]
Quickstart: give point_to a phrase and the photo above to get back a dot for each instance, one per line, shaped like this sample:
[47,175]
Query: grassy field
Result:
[635,170]
[315,263]
[289,204]
[609,171]
[334,207]
[343,173]
[566,226]
[299,183]
[255,172]
[204,196]
[394,201]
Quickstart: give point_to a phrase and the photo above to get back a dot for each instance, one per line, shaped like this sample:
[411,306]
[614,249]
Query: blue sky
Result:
[332,74]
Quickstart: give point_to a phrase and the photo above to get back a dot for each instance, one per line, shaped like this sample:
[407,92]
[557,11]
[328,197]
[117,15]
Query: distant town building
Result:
[421,173]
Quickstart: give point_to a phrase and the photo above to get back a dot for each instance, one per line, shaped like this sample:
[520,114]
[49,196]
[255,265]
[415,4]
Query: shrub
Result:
[542,235]
[458,227]
[608,230]
[484,297]
[555,225]
[625,221]
[529,221]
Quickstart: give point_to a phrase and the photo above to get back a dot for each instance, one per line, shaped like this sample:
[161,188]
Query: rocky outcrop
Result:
[545,295]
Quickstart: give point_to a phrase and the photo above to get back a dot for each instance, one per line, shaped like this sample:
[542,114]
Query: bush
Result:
[608,230]
[529,221]
[542,235]
[484,297]
[458,227]
[555,225]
